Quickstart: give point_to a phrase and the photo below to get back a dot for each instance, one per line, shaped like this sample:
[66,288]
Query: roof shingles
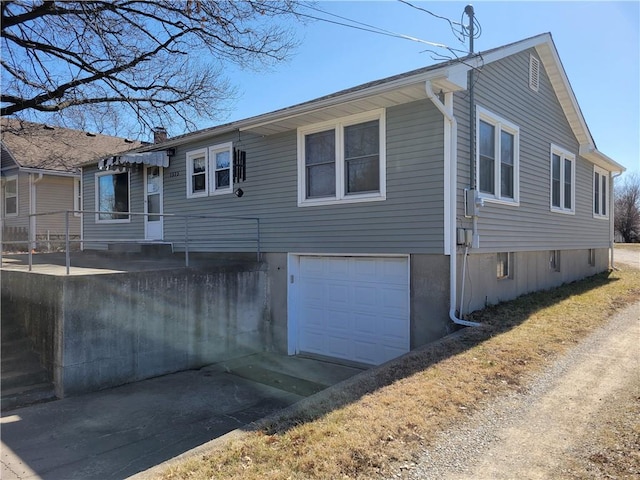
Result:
[34,145]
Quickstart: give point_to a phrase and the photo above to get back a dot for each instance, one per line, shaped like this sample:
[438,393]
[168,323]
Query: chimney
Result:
[159,135]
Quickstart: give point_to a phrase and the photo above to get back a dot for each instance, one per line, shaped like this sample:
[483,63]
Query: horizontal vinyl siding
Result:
[502,88]
[410,220]
[6,160]
[55,194]
[134,230]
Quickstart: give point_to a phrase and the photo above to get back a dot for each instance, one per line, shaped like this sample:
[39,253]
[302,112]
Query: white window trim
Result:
[201,152]
[77,196]
[500,124]
[12,178]
[97,196]
[564,155]
[606,174]
[228,146]
[339,125]
[209,154]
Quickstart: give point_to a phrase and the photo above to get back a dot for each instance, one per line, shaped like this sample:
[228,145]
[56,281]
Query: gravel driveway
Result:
[546,430]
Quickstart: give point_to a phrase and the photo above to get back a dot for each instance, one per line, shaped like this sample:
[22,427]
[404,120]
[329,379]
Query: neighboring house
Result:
[363,195]
[40,173]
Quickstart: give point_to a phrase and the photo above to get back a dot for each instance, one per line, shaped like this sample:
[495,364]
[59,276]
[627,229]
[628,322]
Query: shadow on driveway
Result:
[119,432]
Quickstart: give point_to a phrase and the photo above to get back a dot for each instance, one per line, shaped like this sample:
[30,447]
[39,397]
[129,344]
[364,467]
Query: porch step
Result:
[151,249]
[22,396]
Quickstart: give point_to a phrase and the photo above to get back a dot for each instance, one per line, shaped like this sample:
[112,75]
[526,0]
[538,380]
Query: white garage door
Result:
[354,308]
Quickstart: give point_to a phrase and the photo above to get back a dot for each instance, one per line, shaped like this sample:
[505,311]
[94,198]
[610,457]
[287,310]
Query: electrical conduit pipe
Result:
[453,164]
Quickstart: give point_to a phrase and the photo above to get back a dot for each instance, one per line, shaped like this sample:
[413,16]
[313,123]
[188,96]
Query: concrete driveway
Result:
[119,432]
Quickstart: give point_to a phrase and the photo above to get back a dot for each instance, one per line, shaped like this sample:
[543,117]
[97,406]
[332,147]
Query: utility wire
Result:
[457,33]
[373,29]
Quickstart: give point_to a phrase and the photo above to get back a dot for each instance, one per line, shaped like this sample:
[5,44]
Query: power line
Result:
[373,29]
[458,34]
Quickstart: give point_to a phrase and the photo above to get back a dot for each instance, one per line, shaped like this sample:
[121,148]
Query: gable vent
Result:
[534,73]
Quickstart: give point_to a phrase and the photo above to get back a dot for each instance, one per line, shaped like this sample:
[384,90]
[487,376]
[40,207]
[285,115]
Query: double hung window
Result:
[562,180]
[497,158]
[209,170]
[11,196]
[342,161]
[77,196]
[600,191]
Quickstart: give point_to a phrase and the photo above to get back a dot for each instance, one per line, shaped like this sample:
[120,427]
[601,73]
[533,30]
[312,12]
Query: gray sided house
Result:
[387,210]
[40,173]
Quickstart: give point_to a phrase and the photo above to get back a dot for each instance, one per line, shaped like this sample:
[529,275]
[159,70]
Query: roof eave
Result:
[600,159]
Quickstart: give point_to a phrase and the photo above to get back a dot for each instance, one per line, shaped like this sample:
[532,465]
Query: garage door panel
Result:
[337,346]
[393,300]
[337,293]
[338,321]
[363,269]
[364,324]
[335,268]
[355,308]
[365,297]
[366,352]
[395,271]
[392,331]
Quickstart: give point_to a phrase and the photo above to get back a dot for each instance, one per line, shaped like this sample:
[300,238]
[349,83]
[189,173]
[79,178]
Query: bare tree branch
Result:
[627,209]
[162,59]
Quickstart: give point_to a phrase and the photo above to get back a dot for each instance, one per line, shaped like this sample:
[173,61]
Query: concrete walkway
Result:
[119,432]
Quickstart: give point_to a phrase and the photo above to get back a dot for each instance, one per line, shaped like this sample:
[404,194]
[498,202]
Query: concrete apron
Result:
[119,432]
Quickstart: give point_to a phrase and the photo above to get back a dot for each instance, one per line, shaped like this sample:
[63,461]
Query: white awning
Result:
[158,159]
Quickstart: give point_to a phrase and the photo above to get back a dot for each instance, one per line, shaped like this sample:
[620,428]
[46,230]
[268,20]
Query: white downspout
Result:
[452,124]
[33,207]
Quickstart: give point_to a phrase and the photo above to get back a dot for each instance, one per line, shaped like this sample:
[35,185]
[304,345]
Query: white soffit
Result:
[339,107]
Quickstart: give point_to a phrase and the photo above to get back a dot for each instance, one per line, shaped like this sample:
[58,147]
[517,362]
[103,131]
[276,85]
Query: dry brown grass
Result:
[384,417]
[628,246]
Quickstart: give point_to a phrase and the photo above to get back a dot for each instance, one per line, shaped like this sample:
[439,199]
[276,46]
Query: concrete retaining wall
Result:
[99,331]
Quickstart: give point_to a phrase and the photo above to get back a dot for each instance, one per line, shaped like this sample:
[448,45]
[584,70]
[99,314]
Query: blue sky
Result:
[598,43]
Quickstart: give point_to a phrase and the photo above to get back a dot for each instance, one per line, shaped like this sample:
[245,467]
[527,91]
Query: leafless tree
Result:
[627,209]
[164,60]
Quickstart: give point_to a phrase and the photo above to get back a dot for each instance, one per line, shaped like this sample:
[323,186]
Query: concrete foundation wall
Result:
[98,331]
[429,298]
[104,330]
[530,272]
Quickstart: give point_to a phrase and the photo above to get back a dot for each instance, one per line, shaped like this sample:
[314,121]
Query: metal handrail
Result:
[186,217]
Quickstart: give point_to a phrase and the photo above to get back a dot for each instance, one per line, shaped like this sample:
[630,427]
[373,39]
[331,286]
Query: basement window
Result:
[554,260]
[592,257]
[504,267]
